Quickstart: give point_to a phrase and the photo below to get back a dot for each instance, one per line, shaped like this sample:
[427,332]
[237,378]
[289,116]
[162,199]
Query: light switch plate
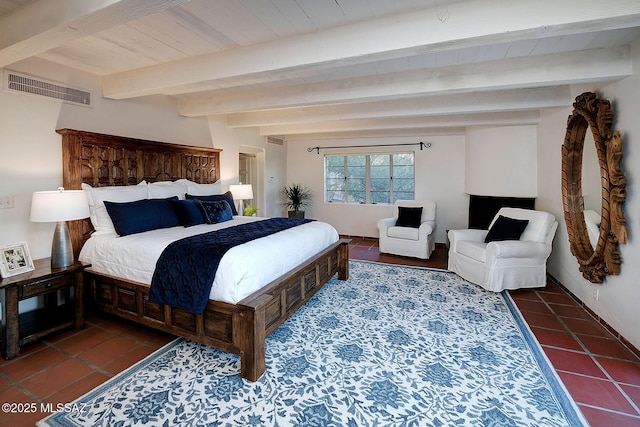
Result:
[6,202]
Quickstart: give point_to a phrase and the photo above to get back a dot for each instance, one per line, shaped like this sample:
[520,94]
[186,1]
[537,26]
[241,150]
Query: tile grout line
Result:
[597,318]
[593,359]
[69,356]
[613,411]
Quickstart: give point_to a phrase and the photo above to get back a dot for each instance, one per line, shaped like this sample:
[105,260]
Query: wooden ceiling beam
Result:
[46,24]
[467,24]
[467,103]
[378,133]
[527,72]
[454,121]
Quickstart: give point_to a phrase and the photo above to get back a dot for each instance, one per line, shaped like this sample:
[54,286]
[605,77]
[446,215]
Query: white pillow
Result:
[97,195]
[196,189]
[164,189]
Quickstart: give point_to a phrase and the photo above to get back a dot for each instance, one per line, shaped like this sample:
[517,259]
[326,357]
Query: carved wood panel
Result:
[104,160]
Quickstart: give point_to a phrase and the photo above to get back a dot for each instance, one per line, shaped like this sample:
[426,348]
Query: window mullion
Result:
[390,179]
[367,166]
[346,181]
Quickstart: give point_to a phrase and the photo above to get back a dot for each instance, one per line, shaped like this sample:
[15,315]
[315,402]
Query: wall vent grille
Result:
[35,86]
[275,140]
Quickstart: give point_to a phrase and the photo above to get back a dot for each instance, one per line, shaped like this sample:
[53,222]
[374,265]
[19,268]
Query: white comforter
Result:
[242,270]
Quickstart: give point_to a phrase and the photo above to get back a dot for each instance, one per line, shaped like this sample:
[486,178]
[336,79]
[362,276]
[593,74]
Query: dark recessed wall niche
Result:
[482,209]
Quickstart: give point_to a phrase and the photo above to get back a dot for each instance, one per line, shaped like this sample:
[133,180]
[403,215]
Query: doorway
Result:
[249,172]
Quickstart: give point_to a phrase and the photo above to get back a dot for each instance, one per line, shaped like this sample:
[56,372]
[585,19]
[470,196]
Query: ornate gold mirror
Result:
[597,256]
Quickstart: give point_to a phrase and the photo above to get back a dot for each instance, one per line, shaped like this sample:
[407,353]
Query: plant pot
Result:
[296,214]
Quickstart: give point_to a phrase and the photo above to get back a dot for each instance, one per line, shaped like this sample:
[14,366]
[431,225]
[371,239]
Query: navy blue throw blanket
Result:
[186,268]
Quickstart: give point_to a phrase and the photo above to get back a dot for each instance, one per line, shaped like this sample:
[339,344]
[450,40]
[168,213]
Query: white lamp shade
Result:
[241,191]
[60,205]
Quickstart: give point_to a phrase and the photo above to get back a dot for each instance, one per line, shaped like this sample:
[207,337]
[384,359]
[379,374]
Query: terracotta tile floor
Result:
[601,374]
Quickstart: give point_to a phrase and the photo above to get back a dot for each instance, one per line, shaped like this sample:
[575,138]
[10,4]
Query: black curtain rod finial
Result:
[422,144]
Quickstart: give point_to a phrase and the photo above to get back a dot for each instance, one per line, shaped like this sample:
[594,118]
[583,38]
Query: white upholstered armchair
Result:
[410,231]
[505,264]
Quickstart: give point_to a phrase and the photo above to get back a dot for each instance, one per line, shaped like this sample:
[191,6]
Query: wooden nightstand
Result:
[19,329]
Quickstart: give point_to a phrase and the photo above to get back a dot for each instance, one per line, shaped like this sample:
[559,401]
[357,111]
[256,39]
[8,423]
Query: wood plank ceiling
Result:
[327,68]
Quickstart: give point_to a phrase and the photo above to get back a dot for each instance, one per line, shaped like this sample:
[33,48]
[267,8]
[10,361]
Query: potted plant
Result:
[250,211]
[295,197]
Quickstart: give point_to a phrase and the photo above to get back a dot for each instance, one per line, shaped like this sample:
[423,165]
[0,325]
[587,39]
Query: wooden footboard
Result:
[107,160]
[239,329]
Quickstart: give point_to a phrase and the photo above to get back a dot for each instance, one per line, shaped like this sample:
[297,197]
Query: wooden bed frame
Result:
[106,160]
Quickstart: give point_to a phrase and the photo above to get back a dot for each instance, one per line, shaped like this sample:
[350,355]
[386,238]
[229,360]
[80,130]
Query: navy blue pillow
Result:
[219,211]
[409,217]
[190,212]
[228,197]
[506,228]
[142,215]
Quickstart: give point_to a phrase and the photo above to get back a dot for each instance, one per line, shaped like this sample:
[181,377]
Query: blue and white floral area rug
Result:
[392,346]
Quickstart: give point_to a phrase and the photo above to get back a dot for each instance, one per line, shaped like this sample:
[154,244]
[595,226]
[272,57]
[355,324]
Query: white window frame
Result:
[368,190]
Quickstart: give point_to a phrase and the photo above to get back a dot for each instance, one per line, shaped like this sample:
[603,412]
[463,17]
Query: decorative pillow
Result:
[190,212]
[142,215]
[227,197]
[97,195]
[506,228]
[218,211]
[164,189]
[196,189]
[409,217]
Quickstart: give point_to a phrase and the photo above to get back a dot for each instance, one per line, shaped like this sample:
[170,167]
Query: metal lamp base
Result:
[61,249]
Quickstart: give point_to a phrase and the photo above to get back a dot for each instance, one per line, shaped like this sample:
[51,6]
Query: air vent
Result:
[275,140]
[26,84]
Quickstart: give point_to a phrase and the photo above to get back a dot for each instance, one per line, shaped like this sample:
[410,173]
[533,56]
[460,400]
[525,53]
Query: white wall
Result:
[439,177]
[618,295]
[272,173]
[31,157]
[275,178]
[501,161]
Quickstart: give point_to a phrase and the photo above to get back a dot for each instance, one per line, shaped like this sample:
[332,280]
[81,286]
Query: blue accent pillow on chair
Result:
[142,215]
[228,197]
[218,211]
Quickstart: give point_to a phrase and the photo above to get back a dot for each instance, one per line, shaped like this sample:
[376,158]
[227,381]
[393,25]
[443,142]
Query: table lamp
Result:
[241,192]
[60,206]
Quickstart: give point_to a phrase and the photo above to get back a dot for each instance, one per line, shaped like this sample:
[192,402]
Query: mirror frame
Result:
[589,112]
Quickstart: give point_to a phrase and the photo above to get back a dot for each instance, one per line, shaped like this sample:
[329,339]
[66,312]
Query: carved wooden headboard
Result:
[103,160]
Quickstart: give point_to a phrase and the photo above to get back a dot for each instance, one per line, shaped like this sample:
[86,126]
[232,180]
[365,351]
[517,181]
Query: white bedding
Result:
[242,270]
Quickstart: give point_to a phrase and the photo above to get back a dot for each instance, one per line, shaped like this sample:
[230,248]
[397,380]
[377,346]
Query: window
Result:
[369,178]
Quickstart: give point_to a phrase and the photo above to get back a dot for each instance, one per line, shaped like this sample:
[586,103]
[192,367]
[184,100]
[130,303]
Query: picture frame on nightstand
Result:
[15,259]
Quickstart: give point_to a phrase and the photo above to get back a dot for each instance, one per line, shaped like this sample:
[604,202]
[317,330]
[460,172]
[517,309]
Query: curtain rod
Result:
[421,144]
